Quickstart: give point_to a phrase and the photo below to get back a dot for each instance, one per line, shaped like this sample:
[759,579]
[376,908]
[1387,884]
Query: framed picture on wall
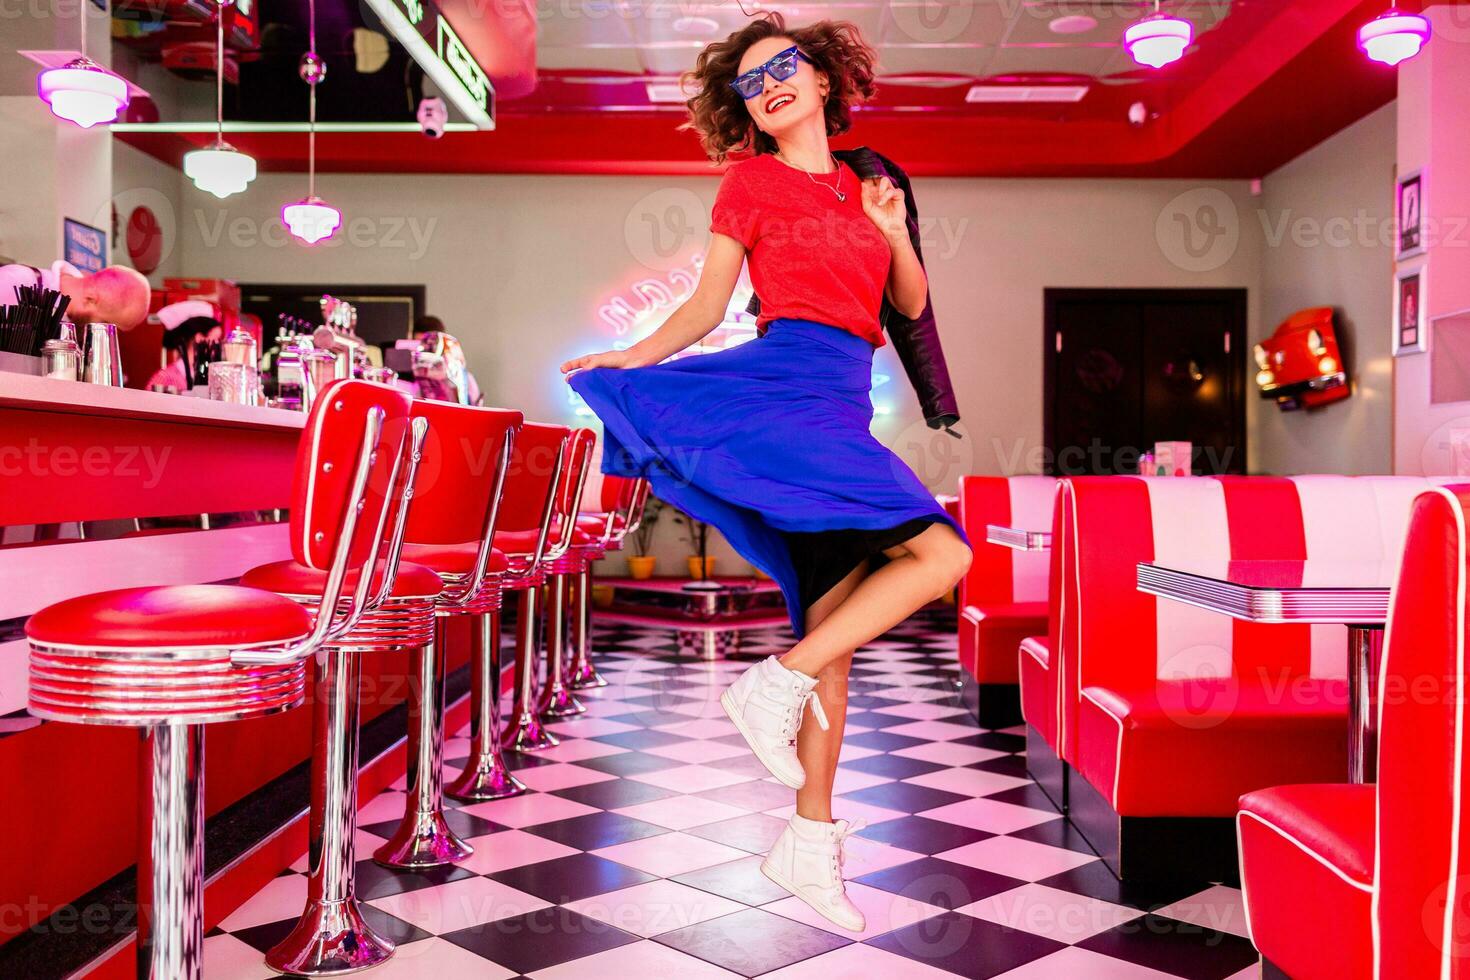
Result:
[1409,214]
[1408,312]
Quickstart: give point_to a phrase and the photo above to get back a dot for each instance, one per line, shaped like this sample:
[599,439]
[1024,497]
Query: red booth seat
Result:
[1348,882]
[1169,713]
[1038,699]
[1003,597]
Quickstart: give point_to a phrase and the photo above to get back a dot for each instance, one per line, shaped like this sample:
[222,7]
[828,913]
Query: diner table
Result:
[1354,594]
[1018,539]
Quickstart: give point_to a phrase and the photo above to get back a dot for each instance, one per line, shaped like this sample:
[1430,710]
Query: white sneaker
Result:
[767,703]
[807,861]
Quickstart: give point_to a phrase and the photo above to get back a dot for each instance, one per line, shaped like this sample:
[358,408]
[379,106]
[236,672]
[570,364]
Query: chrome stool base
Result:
[485,775]
[558,701]
[171,890]
[424,839]
[583,674]
[526,733]
[330,939]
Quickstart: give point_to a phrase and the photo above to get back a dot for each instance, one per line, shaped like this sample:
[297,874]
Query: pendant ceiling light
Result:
[311,219]
[82,91]
[1394,36]
[219,168]
[1158,39]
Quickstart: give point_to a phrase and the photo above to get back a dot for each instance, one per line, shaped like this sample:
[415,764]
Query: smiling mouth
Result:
[779,102]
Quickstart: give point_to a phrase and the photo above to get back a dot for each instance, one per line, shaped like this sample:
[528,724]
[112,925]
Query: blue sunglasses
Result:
[781,67]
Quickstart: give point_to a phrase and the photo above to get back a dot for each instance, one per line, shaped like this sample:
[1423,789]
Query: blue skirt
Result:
[763,440]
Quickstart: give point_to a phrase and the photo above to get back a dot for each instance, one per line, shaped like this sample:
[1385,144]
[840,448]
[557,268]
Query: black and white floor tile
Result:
[637,851]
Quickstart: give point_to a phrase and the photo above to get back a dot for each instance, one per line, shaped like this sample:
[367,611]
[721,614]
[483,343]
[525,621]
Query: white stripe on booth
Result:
[1190,525]
[1032,498]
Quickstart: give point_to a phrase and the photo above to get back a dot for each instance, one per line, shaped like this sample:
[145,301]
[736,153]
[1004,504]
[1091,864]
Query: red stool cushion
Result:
[1306,858]
[171,616]
[524,542]
[453,559]
[291,578]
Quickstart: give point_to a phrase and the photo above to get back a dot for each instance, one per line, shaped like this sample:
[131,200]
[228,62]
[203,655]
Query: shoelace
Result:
[845,829]
[794,717]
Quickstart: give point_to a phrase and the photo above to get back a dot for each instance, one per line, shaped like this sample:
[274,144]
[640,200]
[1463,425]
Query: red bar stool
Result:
[578,549]
[622,511]
[332,937]
[451,527]
[172,659]
[524,529]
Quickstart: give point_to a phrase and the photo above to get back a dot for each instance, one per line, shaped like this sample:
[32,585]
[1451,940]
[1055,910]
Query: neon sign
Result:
[424,32]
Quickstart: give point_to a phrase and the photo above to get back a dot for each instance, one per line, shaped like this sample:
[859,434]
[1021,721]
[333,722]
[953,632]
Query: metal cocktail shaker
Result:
[102,364]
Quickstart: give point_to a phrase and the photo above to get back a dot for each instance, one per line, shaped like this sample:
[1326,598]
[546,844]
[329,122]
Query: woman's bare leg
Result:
[818,750]
[921,570]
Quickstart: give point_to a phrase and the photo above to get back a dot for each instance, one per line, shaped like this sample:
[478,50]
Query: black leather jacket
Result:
[915,341]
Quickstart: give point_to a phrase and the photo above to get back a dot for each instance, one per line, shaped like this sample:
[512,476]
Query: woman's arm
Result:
[691,322]
[908,286]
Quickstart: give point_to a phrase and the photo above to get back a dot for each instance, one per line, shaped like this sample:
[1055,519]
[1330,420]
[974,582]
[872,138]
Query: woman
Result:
[770,441]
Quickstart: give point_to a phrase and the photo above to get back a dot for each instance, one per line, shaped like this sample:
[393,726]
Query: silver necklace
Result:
[841,197]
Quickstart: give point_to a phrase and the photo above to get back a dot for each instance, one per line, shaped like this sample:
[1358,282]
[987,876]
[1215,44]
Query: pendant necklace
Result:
[841,197]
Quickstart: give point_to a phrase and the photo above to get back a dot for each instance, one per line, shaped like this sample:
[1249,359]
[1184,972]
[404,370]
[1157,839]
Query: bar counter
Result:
[75,452]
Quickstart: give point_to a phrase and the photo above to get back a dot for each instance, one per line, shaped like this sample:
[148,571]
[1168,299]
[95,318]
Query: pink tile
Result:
[845,809]
[387,805]
[532,808]
[511,849]
[590,727]
[227,958]
[851,780]
[1075,962]
[851,753]
[971,782]
[700,709]
[576,749]
[438,958]
[1051,912]
[691,779]
[1023,859]
[913,695]
[696,750]
[281,898]
[681,812]
[948,753]
[1220,908]
[640,959]
[919,710]
[860,962]
[560,775]
[884,911]
[670,854]
[933,731]
[602,709]
[458,904]
[991,815]
[655,907]
[700,728]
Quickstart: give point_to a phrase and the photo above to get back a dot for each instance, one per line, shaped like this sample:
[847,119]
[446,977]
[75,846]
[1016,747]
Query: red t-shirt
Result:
[811,256]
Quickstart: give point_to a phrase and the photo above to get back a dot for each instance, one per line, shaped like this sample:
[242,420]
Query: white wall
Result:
[1326,219]
[139,180]
[49,170]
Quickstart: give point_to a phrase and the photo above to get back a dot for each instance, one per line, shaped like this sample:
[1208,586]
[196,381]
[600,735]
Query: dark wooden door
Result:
[1127,368]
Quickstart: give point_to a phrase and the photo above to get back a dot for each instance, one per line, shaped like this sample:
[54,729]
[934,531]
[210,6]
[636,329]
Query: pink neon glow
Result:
[83,92]
[1394,37]
[1159,40]
[311,220]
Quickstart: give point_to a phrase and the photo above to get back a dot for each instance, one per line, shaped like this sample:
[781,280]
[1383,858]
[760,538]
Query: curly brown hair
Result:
[717,113]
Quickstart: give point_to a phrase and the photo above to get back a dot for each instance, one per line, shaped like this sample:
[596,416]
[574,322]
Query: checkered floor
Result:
[636,853]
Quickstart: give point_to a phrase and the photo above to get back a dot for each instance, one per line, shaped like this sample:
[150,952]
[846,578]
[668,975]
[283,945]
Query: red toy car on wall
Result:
[1300,365]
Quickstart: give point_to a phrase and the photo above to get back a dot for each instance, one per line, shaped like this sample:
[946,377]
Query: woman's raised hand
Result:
[609,358]
[883,204]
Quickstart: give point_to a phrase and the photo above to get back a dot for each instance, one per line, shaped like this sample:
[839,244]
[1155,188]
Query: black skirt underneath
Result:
[825,558]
